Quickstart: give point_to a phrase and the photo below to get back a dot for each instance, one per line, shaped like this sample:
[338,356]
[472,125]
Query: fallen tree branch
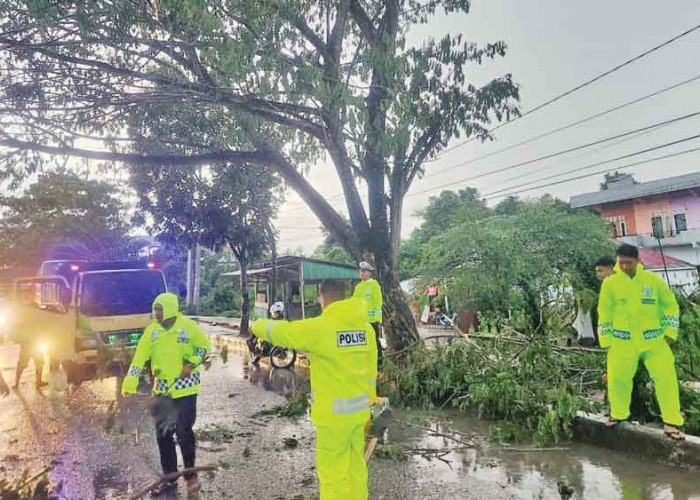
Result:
[36,476]
[172,476]
[528,450]
[469,444]
[482,336]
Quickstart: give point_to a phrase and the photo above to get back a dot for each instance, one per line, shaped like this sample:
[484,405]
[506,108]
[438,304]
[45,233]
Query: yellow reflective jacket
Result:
[371,292]
[168,350]
[343,359]
[639,310]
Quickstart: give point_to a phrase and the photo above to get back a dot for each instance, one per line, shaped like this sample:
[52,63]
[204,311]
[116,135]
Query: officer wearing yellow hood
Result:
[637,320]
[176,347]
[343,365]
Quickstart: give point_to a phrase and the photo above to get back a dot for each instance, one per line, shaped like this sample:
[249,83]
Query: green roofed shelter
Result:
[296,284]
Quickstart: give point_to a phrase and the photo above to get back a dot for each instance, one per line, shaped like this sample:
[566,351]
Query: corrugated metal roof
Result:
[632,191]
[651,259]
[315,270]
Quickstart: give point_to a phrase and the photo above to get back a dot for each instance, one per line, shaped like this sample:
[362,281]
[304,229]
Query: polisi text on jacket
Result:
[352,338]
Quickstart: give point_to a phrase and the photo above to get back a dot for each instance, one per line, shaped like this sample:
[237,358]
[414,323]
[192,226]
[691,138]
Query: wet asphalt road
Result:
[95,457]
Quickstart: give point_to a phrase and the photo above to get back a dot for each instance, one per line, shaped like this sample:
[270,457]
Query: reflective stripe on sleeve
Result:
[134,371]
[669,322]
[268,331]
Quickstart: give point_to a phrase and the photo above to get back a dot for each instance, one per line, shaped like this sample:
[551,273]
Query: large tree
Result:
[515,257]
[291,80]
[61,215]
[226,206]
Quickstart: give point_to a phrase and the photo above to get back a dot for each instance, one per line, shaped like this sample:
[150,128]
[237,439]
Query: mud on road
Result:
[98,457]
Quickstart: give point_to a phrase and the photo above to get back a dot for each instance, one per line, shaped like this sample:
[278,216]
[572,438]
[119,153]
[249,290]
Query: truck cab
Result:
[89,316]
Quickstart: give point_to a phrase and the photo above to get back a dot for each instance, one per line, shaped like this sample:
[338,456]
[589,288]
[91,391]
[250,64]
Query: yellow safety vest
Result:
[371,292]
[343,359]
[639,310]
[168,350]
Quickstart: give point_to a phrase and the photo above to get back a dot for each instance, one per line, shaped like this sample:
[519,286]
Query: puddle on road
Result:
[591,472]
[109,483]
[278,380]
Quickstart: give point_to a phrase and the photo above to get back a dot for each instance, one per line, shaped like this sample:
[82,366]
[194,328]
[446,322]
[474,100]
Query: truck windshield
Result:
[120,292]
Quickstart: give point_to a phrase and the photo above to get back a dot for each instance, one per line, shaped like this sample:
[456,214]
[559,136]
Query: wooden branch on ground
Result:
[172,476]
[36,476]
[469,444]
[430,453]
[482,336]
[370,449]
[529,450]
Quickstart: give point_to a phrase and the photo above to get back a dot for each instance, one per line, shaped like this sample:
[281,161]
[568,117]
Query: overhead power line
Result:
[537,137]
[557,153]
[593,165]
[585,153]
[562,181]
[569,125]
[582,85]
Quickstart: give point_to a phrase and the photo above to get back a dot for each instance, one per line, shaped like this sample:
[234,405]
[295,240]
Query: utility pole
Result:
[188,278]
[663,258]
[197,272]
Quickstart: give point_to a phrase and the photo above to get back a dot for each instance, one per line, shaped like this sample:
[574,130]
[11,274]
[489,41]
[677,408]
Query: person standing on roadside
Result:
[176,347]
[638,320]
[370,291]
[604,267]
[343,367]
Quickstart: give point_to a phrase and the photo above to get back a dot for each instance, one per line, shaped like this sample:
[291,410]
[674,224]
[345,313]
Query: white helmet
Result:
[277,307]
[366,266]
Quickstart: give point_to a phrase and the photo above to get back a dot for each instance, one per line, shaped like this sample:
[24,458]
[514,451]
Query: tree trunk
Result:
[197,278]
[395,212]
[398,321]
[272,292]
[188,279]
[245,305]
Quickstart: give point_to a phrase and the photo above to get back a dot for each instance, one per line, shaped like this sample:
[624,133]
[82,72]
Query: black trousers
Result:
[379,344]
[186,416]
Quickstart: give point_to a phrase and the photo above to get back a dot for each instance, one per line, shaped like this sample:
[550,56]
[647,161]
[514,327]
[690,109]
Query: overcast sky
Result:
[555,45]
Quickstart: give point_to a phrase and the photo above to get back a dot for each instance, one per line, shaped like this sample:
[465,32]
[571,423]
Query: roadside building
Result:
[646,214]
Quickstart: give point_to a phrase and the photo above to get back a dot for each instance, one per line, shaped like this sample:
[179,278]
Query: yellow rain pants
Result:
[623,361]
[340,462]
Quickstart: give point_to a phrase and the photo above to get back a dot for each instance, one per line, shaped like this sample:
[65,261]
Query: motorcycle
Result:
[280,357]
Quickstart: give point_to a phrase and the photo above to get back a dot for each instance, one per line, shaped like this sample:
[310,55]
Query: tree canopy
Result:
[61,215]
[287,81]
[511,258]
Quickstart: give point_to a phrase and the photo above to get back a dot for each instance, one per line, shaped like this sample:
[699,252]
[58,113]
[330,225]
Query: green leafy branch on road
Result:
[216,433]
[534,389]
[297,405]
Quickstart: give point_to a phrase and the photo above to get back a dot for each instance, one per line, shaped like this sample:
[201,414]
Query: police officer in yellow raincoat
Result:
[343,364]
[369,290]
[637,319]
[176,347]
